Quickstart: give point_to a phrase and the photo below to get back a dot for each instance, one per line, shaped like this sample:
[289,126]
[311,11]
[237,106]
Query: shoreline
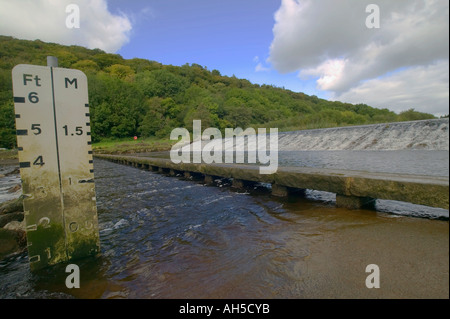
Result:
[9,162]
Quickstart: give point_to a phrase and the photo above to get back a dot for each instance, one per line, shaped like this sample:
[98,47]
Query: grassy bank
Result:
[8,157]
[109,146]
[129,145]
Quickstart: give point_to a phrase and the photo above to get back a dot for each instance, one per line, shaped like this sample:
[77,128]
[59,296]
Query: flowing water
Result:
[166,237]
[415,135]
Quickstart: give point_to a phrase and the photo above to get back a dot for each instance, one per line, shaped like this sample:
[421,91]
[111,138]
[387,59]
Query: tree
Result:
[154,119]
[141,65]
[123,72]
[203,113]
[134,96]
[105,59]
[160,83]
[7,125]
[87,66]
[168,84]
[117,104]
[412,115]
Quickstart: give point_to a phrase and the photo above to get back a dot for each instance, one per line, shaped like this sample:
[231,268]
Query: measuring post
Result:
[56,164]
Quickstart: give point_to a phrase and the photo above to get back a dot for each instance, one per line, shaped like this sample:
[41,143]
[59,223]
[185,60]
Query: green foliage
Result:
[411,115]
[7,127]
[105,60]
[160,83]
[123,72]
[87,66]
[149,99]
[117,107]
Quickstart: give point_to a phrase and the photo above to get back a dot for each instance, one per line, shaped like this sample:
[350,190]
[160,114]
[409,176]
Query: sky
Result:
[394,56]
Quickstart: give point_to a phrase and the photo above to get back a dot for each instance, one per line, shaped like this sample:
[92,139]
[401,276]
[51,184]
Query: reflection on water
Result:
[164,237]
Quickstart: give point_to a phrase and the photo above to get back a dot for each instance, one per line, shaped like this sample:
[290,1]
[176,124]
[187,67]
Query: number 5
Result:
[37,128]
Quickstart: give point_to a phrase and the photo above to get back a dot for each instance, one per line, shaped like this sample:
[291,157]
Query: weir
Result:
[413,135]
[353,189]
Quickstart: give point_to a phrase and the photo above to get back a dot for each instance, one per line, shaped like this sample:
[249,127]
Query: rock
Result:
[11,242]
[15,188]
[5,219]
[14,205]
[14,172]
[15,225]
[8,242]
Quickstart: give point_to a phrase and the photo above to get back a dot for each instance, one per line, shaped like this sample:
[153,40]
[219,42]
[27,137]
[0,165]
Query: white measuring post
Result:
[56,164]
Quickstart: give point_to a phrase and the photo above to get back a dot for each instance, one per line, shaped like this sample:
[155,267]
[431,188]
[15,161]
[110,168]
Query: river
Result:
[166,237]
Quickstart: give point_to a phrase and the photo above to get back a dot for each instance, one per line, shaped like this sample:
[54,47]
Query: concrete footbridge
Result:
[353,189]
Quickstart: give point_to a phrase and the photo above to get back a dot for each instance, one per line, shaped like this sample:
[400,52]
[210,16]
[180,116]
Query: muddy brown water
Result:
[166,237]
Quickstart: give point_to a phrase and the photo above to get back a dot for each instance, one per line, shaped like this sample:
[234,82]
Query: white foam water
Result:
[412,135]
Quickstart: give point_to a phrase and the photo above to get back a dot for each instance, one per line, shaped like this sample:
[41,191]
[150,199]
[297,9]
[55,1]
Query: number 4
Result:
[39,161]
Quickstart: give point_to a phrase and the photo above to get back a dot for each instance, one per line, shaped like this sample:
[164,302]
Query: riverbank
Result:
[12,224]
[8,158]
[413,135]
[109,146]
[131,145]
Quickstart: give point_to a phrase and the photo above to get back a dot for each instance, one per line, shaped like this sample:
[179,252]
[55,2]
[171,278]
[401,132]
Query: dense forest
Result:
[138,97]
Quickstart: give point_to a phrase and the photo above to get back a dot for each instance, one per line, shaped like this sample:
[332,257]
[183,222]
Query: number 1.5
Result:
[78,130]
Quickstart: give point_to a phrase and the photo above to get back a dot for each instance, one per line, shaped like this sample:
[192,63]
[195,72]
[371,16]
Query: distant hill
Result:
[131,97]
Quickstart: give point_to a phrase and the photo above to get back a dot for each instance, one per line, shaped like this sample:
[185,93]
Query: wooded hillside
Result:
[145,98]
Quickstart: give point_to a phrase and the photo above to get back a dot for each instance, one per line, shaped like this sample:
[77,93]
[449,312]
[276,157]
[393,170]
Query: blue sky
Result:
[319,47]
[231,36]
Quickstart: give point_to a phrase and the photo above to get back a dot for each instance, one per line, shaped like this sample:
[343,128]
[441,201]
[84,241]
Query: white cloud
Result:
[424,88]
[147,13]
[46,20]
[330,72]
[329,41]
[260,68]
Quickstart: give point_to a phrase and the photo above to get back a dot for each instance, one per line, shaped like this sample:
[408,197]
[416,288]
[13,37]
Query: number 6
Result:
[33,97]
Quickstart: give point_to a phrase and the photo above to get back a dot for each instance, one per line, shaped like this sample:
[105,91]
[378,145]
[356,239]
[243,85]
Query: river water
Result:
[166,237]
